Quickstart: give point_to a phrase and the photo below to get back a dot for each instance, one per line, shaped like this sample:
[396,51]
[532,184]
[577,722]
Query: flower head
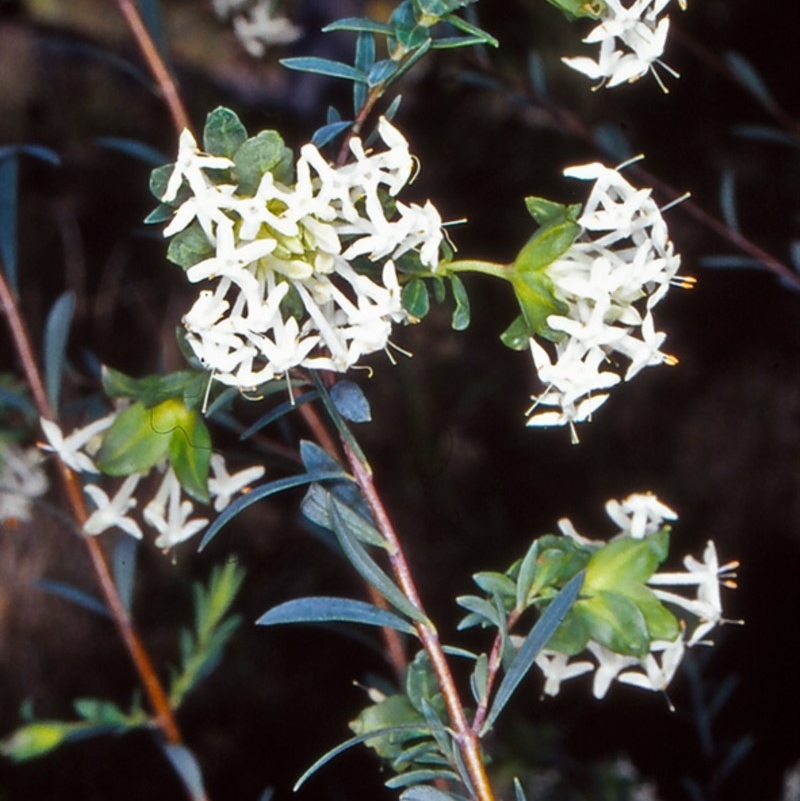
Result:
[21,480]
[607,282]
[632,38]
[290,274]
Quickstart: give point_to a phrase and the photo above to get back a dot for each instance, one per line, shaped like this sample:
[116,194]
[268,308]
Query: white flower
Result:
[169,514]
[189,166]
[70,449]
[556,668]
[21,480]
[708,575]
[223,486]
[290,246]
[639,515]
[112,513]
[609,280]
[257,25]
[632,39]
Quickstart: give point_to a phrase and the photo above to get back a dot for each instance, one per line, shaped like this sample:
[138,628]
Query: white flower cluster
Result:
[22,480]
[638,516]
[610,279]
[169,512]
[632,37]
[257,24]
[287,294]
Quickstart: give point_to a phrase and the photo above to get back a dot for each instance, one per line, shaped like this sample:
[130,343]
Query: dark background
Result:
[717,438]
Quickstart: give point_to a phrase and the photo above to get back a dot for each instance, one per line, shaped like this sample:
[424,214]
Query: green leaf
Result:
[139,438]
[423,792]
[223,133]
[439,8]
[381,72]
[525,576]
[548,212]
[661,623]
[316,507]
[408,729]
[534,293]
[56,336]
[326,610]
[546,245]
[351,402]
[190,455]
[517,335]
[358,24]
[153,389]
[461,314]
[537,639]
[260,154]
[74,595]
[626,561]
[325,66]
[415,298]
[189,246]
[36,739]
[327,133]
[258,494]
[495,584]
[366,566]
[479,680]
[616,622]
[186,766]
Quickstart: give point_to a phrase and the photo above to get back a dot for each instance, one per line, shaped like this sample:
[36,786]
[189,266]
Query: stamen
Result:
[683,281]
[684,196]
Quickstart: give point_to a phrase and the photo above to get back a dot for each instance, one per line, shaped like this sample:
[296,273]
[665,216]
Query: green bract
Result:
[528,273]
[143,436]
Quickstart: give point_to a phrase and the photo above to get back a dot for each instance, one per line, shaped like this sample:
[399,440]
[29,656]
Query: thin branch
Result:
[467,740]
[72,489]
[161,74]
[395,648]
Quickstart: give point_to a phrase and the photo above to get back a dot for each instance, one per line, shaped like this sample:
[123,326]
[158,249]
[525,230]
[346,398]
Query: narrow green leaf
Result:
[326,609]
[324,66]
[461,312]
[415,776]
[533,644]
[141,151]
[347,744]
[186,766]
[258,494]
[56,336]
[369,570]
[74,595]
[9,198]
[382,72]
[123,562]
[275,414]
[358,24]
[327,133]
[424,792]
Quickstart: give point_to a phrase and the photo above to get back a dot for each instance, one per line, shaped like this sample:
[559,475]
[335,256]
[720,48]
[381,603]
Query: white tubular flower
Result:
[113,513]
[189,167]
[223,486]
[639,515]
[72,448]
[609,280]
[557,668]
[287,293]
[22,479]
[169,514]
[632,39]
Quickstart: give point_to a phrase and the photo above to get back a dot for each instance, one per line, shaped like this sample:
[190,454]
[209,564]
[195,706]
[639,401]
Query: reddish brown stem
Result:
[69,481]
[162,75]
[395,649]
[466,738]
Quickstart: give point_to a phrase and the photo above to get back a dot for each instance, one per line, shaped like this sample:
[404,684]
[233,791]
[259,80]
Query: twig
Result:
[466,738]
[162,76]
[144,667]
